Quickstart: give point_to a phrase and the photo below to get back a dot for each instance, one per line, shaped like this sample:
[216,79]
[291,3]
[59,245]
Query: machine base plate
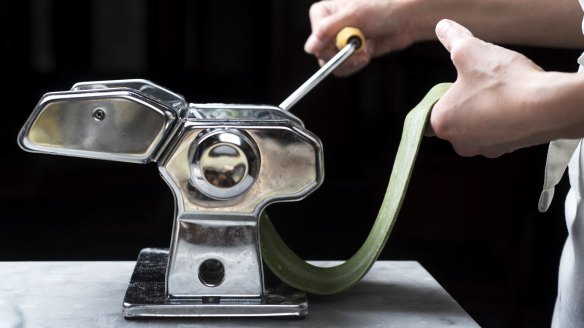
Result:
[145,296]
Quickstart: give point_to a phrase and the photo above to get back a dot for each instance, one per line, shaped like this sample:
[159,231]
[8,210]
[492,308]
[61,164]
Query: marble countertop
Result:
[90,294]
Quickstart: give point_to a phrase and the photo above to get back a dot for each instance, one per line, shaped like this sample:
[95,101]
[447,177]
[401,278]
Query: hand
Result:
[490,108]
[382,21]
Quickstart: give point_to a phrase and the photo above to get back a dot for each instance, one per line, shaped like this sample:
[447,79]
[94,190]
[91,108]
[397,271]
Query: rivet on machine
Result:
[224,163]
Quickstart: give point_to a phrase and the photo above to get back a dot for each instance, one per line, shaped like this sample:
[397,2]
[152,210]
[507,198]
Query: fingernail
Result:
[445,23]
[443,26]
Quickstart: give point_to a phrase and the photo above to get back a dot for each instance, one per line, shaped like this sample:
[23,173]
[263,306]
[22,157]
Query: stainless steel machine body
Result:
[224,163]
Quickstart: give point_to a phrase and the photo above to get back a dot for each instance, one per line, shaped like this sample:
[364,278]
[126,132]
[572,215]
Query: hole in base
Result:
[211,273]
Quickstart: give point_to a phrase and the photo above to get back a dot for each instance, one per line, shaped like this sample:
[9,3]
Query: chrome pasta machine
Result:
[224,164]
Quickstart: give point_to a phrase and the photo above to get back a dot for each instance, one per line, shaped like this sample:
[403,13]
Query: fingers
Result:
[325,22]
[327,18]
[495,151]
[465,49]
[451,33]
[467,115]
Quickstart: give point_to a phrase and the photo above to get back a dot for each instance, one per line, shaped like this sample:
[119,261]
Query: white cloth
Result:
[569,309]
[558,156]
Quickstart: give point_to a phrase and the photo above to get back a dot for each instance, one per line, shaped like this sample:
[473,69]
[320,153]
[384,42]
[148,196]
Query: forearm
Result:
[556,107]
[553,23]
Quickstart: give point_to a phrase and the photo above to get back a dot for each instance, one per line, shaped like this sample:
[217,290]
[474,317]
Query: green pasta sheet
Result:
[295,272]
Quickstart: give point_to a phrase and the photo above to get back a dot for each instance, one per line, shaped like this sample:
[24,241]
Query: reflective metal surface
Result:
[289,167]
[144,87]
[234,112]
[224,163]
[111,124]
[232,240]
[145,296]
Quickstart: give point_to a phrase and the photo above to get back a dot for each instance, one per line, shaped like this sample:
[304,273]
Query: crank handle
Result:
[349,40]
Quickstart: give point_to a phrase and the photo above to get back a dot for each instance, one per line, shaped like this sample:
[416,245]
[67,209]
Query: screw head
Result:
[99,114]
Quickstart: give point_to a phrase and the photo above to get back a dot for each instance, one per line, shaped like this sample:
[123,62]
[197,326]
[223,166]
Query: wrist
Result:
[558,104]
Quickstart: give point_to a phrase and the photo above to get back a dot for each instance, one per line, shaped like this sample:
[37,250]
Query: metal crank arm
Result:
[349,40]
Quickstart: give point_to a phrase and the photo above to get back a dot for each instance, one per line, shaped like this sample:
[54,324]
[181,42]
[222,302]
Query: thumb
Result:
[450,32]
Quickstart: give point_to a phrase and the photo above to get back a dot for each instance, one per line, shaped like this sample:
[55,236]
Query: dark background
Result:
[471,222]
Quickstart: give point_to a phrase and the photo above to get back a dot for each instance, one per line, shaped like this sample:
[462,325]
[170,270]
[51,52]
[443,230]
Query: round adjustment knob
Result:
[224,164]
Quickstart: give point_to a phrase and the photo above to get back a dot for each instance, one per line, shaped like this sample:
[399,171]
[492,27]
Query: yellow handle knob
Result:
[347,34]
